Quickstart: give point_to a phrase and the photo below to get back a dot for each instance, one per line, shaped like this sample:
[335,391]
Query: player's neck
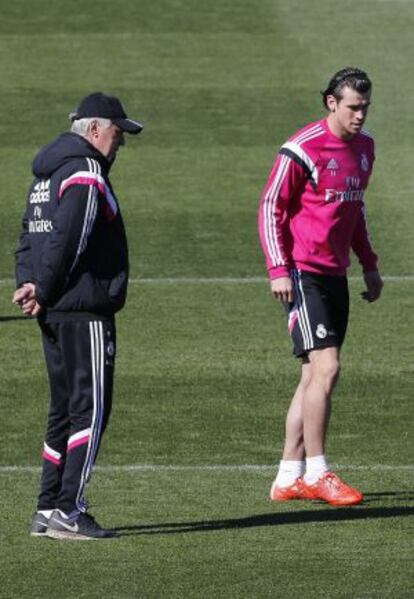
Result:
[337,130]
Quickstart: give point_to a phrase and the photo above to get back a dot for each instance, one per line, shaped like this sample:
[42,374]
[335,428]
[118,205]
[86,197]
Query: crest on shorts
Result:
[321,331]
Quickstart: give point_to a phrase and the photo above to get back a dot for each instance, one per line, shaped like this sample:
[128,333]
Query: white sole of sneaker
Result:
[65,535]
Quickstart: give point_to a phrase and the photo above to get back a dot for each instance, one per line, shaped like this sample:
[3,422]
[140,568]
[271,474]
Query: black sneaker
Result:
[82,528]
[38,525]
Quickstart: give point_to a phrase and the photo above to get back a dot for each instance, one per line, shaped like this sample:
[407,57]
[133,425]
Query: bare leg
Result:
[324,369]
[294,448]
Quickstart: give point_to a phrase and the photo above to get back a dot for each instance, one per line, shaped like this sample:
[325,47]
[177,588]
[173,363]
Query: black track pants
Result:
[80,359]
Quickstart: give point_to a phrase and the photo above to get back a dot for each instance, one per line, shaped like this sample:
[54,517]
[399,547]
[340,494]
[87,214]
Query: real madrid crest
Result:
[110,353]
[321,331]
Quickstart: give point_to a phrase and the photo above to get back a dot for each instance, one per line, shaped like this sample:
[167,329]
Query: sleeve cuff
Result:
[276,272]
[369,266]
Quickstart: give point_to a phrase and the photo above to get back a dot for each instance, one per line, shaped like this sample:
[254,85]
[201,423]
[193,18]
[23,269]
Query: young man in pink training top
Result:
[311,214]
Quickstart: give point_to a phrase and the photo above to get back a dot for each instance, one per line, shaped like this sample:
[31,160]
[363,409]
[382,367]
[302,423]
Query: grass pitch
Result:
[204,372]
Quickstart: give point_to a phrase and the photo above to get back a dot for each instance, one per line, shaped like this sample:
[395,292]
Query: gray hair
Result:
[82,126]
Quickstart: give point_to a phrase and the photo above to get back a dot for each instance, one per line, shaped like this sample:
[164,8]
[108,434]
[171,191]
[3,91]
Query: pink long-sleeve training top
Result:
[312,210]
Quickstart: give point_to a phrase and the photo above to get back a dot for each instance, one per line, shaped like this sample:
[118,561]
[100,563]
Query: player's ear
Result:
[331,103]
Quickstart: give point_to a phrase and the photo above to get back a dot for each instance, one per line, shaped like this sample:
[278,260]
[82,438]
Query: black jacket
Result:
[73,245]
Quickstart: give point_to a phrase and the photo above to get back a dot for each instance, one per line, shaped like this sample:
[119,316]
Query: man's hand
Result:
[374,285]
[24,293]
[26,299]
[31,308]
[282,289]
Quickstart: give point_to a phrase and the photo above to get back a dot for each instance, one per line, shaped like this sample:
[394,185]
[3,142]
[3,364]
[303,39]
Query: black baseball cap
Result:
[106,107]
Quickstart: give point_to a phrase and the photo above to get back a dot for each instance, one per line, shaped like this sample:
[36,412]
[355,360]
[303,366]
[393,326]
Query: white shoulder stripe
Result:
[308,134]
[366,133]
[311,136]
[304,157]
[95,165]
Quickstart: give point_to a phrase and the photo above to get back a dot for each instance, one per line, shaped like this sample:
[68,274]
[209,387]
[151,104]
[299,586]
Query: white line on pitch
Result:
[210,468]
[222,280]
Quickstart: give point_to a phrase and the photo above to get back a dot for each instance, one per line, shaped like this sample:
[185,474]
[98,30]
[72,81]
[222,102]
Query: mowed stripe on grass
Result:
[225,280]
[210,467]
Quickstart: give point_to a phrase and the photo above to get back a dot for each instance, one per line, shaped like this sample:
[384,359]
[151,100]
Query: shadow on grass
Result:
[280,519]
[10,318]
[401,495]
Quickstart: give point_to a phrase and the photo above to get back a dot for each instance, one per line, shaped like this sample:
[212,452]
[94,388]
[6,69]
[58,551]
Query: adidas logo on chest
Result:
[332,165]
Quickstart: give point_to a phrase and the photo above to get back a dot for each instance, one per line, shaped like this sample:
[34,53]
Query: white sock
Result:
[45,513]
[289,471]
[315,468]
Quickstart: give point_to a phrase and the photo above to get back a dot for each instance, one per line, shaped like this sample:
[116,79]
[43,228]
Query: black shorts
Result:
[318,317]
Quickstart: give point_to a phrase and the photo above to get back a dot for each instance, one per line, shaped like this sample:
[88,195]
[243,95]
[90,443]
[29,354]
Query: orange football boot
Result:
[333,490]
[294,491]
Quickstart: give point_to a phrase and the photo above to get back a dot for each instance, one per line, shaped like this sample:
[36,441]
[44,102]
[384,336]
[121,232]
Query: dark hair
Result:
[349,77]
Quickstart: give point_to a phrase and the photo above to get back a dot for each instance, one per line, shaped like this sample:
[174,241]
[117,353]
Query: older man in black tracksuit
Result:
[72,273]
